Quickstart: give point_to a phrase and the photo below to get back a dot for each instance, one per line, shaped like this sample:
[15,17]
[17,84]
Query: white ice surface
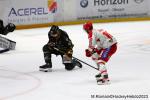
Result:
[129,68]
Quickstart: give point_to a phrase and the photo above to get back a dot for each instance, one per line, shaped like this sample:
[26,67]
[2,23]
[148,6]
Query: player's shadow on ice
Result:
[55,70]
[123,80]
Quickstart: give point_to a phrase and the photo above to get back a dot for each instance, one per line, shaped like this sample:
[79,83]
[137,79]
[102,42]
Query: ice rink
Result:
[129,68]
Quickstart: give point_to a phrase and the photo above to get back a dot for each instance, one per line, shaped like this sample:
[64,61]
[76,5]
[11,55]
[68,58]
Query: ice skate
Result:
[98,76]
[102,79]
[46,68]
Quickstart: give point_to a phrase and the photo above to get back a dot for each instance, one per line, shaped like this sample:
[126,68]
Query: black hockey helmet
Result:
[54,31]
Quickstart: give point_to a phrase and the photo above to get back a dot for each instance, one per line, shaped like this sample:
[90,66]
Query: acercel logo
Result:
[84,3]
[27,11]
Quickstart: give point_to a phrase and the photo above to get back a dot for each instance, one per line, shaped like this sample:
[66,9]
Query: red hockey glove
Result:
[88,53]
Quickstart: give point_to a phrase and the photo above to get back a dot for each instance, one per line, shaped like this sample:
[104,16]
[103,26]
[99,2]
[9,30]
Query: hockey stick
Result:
[78,59]
[85,63]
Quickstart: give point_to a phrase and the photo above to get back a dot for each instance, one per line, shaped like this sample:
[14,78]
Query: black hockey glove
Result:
[10,27]
[51,45]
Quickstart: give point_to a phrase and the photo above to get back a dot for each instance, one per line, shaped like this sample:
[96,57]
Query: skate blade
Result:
[103,83]
[46,70]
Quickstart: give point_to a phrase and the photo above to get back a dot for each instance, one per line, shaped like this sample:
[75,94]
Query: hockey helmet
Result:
[54,31]
[88,26]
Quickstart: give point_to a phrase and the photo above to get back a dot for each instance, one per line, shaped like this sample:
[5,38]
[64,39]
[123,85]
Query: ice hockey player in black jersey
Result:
[59,44]
[6,44]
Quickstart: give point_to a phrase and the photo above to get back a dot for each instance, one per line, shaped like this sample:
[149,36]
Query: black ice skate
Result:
[102,79]
[46,68]
[98,76]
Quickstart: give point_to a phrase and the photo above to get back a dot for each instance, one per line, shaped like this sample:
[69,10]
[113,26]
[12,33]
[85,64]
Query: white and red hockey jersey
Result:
[100,39]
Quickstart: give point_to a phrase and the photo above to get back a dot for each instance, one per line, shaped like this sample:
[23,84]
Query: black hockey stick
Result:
[85,63]
[78,59]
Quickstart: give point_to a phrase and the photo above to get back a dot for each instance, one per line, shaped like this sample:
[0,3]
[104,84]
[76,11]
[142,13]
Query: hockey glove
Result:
[88,53]
[10,27]
[51,45]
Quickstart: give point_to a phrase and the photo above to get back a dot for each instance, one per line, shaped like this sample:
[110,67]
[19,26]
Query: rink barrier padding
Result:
[81,22]
[42,13]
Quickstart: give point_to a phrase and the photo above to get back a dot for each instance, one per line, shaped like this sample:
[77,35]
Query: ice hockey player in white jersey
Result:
[102,46]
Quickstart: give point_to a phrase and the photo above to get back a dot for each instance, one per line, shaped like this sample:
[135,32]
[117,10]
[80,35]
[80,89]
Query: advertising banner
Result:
[26,12]
[93,9]
[22,12]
